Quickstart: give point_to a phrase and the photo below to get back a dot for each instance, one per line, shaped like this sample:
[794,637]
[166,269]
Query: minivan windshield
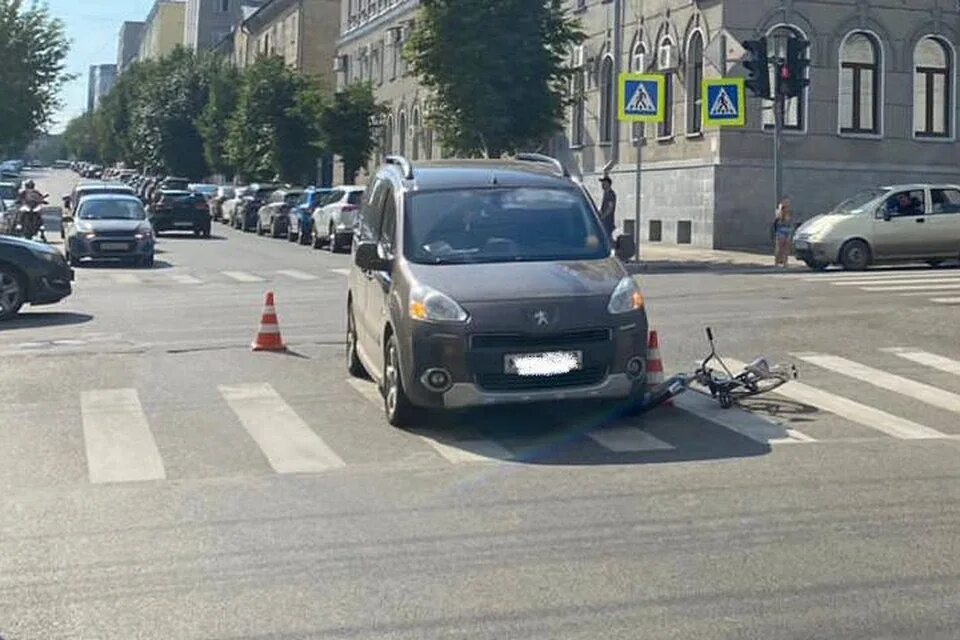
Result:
[501,225]
[856,203]
[94,209]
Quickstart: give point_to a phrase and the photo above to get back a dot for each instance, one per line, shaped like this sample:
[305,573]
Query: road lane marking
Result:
[458,452]
[905,281]
[891,382]
[183,278]
[932,360]
[297,275]
[125,278]
[117,437]
[242,276]
[343,272]
[285,439]
[746,424]
[945,300]
[851,410]
[914,287]
[628,439]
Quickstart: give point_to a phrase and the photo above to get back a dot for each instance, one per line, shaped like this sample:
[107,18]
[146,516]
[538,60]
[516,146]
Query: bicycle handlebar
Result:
[709,334]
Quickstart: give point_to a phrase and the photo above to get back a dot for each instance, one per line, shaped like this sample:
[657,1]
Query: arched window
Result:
[607,99]
[860,74]
[427,144]
[793,112]
[402,133]
[665,128]
[638,57]
[932,88]
[577,107]
[694,73]
[388,136]
[415,120]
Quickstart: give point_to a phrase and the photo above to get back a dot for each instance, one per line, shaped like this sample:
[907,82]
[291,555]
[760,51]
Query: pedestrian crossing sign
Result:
[641,97]
[724,102]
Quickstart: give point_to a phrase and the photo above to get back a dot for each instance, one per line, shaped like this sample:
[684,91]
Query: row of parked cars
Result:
[321,217]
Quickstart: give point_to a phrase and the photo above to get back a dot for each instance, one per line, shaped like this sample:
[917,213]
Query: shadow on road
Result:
[121,264]
[38,319]
[174,235]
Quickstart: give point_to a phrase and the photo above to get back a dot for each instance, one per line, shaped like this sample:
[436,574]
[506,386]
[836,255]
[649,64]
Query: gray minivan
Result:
[487,282]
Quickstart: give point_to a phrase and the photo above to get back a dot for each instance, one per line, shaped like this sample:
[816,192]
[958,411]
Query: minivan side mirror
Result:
[368,257]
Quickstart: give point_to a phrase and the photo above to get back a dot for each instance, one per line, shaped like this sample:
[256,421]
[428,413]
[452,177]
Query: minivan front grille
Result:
[525,341]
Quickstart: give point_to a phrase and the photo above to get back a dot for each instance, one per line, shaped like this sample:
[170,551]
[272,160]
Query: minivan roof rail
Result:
[404,165]
[544,159]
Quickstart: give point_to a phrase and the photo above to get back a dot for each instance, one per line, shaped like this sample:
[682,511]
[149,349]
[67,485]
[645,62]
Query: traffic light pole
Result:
[779,102]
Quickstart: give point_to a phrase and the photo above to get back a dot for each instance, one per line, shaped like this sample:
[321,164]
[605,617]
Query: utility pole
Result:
[638,135]
[779,107]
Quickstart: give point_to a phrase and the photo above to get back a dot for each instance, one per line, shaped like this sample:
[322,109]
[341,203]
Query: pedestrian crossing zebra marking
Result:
[628,440]
[117,438]
[242,276]
[297,275]
[746,424]
[941,363]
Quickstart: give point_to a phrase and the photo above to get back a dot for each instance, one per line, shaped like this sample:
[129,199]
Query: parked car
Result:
[8,193]
[896,223]
[208,191]
[246,216]
[273,216]
[233,206]
[110,227]
[176,210]
[83,189]
[300,225]
[6,221]
[31,273]
[469,292]
[224,193]
[335,220]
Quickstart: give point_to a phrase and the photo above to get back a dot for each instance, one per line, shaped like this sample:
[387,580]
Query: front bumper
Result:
[617,386]
[824,252]
[100,248]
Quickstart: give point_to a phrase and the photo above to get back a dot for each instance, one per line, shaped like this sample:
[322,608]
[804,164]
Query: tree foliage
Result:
[349,126]
[224,83]
[80,138]
[486,102]
[33,49]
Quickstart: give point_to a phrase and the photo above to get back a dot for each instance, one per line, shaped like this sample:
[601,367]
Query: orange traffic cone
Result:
[269,338]
[655,364]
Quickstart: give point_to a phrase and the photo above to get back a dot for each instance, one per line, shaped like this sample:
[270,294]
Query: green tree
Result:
[486,102]
[224,83]
[274,131]
[80,138]
[33,49]
[348,124]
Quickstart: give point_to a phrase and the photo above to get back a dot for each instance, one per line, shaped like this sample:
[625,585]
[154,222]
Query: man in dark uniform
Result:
[608,206]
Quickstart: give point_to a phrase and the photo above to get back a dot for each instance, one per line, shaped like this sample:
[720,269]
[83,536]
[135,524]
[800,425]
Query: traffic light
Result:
[795,68]
[758,66]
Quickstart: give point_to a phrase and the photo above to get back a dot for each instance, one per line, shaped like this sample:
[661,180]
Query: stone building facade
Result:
[881,106]
[128,44]
[207,22]
[163,29]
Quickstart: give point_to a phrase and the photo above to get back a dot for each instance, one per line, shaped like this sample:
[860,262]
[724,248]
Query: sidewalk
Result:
[657,257]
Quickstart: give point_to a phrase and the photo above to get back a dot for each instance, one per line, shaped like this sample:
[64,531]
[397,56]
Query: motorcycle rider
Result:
[30,201]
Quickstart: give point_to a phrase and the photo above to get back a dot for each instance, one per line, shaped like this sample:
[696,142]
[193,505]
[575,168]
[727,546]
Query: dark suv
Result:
[487,282]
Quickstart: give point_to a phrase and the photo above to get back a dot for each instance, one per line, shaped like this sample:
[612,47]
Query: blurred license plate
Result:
[551,363]
[114,246]
[183,224]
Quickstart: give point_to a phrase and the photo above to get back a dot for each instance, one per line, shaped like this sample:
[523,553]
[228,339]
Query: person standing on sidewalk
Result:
[608,206]
[782,232]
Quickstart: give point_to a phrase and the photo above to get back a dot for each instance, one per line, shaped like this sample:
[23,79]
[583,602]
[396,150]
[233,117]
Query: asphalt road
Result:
[159,480]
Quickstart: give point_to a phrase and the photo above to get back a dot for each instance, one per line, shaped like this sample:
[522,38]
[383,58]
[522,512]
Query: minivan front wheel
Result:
[354,366]
[855,255]
[400,412]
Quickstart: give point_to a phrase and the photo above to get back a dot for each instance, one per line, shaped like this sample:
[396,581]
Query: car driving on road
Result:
[484,282]
[181,211]
[110,227]
[336,218]
[31,272]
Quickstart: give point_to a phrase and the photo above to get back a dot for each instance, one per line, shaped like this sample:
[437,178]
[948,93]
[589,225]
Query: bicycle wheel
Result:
[753,386]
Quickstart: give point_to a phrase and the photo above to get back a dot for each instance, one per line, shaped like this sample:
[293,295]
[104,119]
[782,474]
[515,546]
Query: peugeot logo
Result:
[540,317]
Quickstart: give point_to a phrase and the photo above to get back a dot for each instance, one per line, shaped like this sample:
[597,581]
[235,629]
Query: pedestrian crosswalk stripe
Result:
[125,278]
[945,300]
[628,439]
[242,276]
[889,381]
[117,437]
[284,438]
[851,410]
[297,275]
[941,363]
[901,282]
[914,287]
[462,451]
[343,272]
[746,424]
[183,278]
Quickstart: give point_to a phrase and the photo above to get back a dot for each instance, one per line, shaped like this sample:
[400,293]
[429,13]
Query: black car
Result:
[181,211]
[490,282]
[31,272]
[247,213]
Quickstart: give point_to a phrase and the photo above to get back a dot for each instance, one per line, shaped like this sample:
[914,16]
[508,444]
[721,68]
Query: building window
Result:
[665,128]
[638,64]
[607,99]
[793,110]
[427,144]
[402,133]
[415,138]
[932,89]
[388,136]
[577,109]
[859,99]
[224,6]
[694,80]
[396,61]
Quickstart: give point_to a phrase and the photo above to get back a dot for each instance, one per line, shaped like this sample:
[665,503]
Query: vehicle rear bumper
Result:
[178,223]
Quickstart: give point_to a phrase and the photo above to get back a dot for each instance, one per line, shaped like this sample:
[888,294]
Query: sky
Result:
[92,27]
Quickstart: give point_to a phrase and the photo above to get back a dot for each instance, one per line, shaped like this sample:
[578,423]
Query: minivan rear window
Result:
[501,225]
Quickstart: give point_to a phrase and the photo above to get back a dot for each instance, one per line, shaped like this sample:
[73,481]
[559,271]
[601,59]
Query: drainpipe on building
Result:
[617,68]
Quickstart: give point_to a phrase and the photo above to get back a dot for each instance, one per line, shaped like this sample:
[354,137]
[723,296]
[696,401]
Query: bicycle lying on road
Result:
[757,378]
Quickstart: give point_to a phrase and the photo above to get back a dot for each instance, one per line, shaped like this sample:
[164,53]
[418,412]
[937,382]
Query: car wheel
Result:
[400,412]
[855,255]
[72,260]
[332,240]
[317,242]
[305,237]
[259,228]
[935,263]
[354,366]
[816,266]
[12,293]
[292,237]
[274,230]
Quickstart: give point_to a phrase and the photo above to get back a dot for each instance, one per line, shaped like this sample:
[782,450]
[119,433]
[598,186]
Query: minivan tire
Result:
[354,366]
[397,406]
[855,255]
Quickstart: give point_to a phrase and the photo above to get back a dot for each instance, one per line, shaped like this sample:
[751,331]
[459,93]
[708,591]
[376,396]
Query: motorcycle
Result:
[29,221]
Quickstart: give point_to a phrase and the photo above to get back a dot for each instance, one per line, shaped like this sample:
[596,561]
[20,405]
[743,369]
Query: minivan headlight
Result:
[430,305]
[626,297]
